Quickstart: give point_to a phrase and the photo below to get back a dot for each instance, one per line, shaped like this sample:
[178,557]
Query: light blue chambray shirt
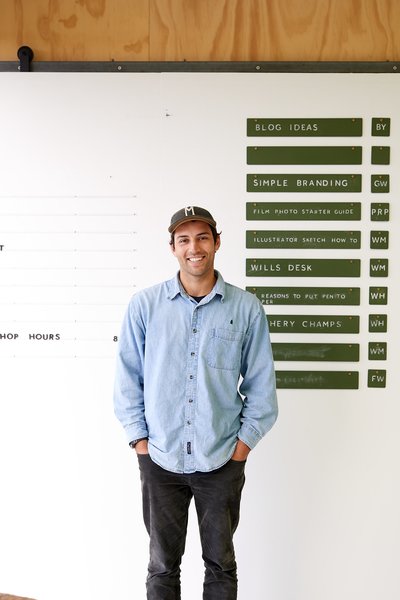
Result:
[193,377]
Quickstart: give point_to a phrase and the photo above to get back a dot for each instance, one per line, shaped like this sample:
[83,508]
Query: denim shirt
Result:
[194,377]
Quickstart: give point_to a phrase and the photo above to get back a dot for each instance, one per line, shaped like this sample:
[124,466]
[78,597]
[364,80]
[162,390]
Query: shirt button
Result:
[194,330]
[192,353]
[190,399]
[189,422]
[190,376]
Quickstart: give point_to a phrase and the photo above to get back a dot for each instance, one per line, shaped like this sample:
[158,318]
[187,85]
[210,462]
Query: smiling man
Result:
[195,392]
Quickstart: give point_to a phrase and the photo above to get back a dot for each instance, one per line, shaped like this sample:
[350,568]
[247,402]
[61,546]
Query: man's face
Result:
[194,247]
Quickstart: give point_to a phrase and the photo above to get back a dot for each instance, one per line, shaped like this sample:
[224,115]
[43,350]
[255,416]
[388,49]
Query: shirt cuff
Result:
[134,432]
[249,436]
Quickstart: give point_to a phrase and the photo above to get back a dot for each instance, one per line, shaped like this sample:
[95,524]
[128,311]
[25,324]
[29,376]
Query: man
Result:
[195,392]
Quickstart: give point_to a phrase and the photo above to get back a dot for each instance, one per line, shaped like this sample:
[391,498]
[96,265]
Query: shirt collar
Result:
[174,287]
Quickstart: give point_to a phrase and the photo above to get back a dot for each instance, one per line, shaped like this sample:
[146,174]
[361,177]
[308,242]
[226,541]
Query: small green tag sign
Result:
[307,267]
[303,239]
[316,352]
[307,295]
[304,127]
[380,211]
[378,295]
[379,240]
[376,378]
[279,182]
[380,184]
[380,155]
[317,380]
[378,267]
[377,323]
[380,126]
[313,323]
[377,350]
[304,211]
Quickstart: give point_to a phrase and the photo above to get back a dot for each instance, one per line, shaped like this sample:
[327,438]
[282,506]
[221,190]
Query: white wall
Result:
[110,157]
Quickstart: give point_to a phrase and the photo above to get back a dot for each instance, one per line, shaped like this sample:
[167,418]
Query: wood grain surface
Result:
[201,30]
[9,597]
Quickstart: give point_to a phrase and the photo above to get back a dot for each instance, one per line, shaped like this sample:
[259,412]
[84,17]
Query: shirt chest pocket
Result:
[224,349]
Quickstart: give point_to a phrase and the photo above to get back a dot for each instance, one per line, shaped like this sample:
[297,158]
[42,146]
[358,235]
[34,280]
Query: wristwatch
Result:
[134,442]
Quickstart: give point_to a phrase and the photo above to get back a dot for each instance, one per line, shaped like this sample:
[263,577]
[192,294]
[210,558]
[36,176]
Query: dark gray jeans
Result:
[166,499]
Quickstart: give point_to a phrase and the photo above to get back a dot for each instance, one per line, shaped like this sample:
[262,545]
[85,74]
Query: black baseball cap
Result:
[191,213]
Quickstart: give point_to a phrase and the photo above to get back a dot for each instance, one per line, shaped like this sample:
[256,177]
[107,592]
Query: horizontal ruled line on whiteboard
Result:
[74,214]
[74,196]
[59,321]
[73,250]
[69,268]
[72,232]
[62,303]
[75,285]
[63,357]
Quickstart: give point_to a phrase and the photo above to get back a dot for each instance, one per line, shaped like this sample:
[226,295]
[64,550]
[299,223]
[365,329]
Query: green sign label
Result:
[303,239]
[304,127]
[303,183]
[307,295]
[380,184]
[307,267]
[380,126]
[313,323]
[304,155]
[378,295]
[379,240]
[317,380]
[304,211]
[378,267]
[377,323]
[379,211]
[380,155]
[316,352]
[376,378]
[377,350]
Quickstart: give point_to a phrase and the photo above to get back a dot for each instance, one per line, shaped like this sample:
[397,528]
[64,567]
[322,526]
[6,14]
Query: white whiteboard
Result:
[92,167]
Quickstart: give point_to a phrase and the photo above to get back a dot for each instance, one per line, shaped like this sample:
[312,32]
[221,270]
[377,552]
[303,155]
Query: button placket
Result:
[191,389]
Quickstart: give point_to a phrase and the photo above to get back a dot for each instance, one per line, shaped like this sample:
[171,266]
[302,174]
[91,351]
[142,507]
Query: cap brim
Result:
[172,228]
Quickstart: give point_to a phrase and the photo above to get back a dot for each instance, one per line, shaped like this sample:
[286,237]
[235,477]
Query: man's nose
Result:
[194,245]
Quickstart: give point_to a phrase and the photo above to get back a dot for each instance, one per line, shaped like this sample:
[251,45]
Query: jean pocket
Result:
[225,349]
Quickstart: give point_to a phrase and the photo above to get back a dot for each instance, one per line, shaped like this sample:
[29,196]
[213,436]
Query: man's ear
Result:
[217,242]
[172,246]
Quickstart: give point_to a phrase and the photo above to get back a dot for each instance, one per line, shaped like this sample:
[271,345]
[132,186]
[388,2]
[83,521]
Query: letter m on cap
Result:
[189,210]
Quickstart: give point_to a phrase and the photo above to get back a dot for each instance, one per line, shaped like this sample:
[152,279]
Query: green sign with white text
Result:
[330,296]
[377,323]
[303,239]
[317,380]
[313,323]
[380,211]
[304,211]
[305,267]
[377,350]
[376,379]
[316,352]
[282,182]
[378,295]
[304,127]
